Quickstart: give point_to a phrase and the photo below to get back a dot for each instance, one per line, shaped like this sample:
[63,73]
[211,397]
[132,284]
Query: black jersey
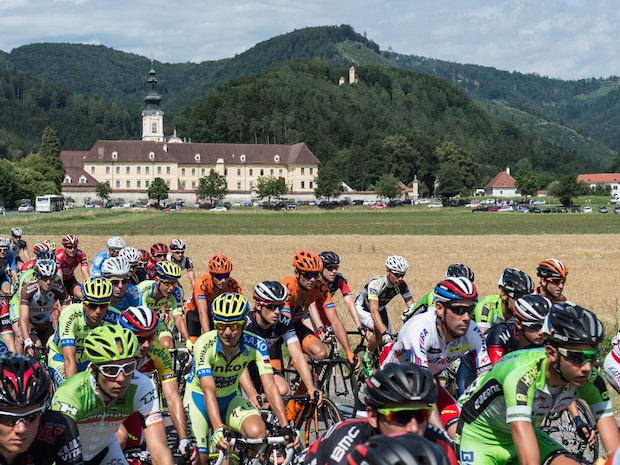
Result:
[339,283]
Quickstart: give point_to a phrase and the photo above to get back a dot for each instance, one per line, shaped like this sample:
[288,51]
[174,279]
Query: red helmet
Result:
[452,288]
[220,264]
[144,257]
[159,248]
[70,239]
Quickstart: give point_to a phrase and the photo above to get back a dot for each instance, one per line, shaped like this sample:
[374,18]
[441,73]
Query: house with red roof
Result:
[502,185]
[597,179]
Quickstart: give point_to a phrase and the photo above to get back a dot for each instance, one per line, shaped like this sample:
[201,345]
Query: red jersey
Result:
[68,265]
[319,294]
[150,269]
[29,265]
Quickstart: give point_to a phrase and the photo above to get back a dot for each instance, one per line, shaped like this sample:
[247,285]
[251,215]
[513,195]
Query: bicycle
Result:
[242,445]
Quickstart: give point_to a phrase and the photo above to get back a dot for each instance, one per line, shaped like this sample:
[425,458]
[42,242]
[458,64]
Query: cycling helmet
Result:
[568,323]
[403,449]
[16,232]
[458,270]
[97,291]
[531,308]
[52,245]
[159,248]
[178,245]
[329,258]
[455,289]
[168,271]
[139,320]
[307,261]
[144,257]
[40,248]
[229,306]
[4,242]
[131,254]
[109,343]
[115,243]
[400,383]
[552,268]
[70,239]
[114,266]
[45,268]
[270,292]
[396,264]
[23,381]
[220,264]
[515,283]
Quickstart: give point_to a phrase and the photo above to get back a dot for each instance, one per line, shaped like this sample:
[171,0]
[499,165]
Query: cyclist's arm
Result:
[525,442]
[68,355]
[179,322]
[245,381]
[213,410]
[24,316]
[273,396]
[84,270]
[339,331]
[26,254]
[373,305]
[301,365]
[192,277]
[349,301]
[608,430]
[201,306]
[171,392]
[157,444]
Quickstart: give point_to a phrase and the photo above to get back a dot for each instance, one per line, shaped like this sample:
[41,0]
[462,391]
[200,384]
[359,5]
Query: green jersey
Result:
[147,289]
[424,303]
[488,311]
[24,277]
[98,422]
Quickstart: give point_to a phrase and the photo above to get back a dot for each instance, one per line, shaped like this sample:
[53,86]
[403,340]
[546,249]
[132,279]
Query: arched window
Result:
[154,128]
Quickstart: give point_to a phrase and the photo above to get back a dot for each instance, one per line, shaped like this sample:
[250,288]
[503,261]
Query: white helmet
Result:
[4,242]
[270,292]
[16,232]
[397,264]
[116,242]
[139,319]
[45,268]
[114,266]
[131,254]
[177,244]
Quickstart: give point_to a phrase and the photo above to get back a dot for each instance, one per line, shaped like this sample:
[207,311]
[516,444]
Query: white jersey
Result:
[611,366]
[419,342]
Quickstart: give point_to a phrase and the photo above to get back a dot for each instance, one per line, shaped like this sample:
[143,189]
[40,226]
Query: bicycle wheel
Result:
[320,421]
[360,381]
[562,429]
[341,387]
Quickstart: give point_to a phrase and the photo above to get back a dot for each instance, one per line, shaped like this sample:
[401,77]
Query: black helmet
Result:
[568,323]
[400,383]
[531,308]
[458,270]
[516,283]
[403,449]
[329,258]
[23,381]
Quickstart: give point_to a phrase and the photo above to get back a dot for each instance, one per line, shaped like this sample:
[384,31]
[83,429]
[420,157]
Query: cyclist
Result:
[114,244]
[177,255]
[159,252]
[141,273]
[40,250]
[372,300]
[7,340]
[513,284]
[132,255]
[500,410]
[306,293]
[158,295]
[611,366]
[436,338]
[268,322]
[8,266]
[66,355]
[552,273]
[455,270]
[217,281]
[153,358]
[399,399]
[30,433]
[102,397]
[124,294]
[38,297]
[17,245]
[68,258]
[334,281]
[402,449]
[212,395]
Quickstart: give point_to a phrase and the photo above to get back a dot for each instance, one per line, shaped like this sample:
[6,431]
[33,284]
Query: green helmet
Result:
[109,343]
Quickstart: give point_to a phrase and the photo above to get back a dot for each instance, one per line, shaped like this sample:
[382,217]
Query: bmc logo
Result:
[467,457]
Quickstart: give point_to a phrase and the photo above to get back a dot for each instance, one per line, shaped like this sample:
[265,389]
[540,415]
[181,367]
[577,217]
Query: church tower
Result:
[152,116]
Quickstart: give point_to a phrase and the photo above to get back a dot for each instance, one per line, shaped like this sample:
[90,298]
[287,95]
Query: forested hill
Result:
[393,120]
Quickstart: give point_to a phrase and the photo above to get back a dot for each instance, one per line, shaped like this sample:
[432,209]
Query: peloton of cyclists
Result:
[114,245]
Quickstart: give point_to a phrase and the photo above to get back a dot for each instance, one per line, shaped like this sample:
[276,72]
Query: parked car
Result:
[576,209]
[473,204]
[357,202]
[506,208]
[617,209]
[562,210]
[587,209]
[495,208]
[291,207]
[535,210]
[219,208]
[435,205]
[480,208]
[379,206]
[25,208]
[540,202]
[603,209]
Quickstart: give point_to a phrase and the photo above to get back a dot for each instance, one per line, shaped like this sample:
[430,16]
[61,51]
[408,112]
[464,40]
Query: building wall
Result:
[502,192]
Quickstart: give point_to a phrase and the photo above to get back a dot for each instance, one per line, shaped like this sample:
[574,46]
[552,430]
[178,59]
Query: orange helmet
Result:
[220,264]
[552,268]
[307,261]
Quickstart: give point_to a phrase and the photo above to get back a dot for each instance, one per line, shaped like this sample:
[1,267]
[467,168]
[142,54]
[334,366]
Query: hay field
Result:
[592,260]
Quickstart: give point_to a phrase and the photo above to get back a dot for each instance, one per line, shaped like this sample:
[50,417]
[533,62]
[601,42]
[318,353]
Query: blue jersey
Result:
[131,298]
[95,270]
[6,266]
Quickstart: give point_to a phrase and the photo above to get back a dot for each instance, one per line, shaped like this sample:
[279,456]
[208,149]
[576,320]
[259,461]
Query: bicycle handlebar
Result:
[275,440]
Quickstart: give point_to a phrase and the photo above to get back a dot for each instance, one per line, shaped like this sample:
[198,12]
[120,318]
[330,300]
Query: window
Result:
[167,170]
[92,170]
[271,172]
[202,171]
[615,187]
[128,170]
[154,128]
[302,170]
[251,185]
[168,182]
[82,179]
[225,171]
[251,172]
[193,171]
[159,170]
[147,183]
[128,184]
[280,172]
[107,181]
[138,184]
[262,172]
[118,170]
[311,185]
[107,170]
[238,171]
[303,185]
[182,184]
[193,184]
[138,170]
[182,171]
[238,186]
[67,180]
[147,169]
[311,170]
[118,184]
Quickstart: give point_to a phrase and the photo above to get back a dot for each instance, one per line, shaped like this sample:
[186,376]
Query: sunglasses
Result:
[12,419]
[112,370]
[143,338]
[159,255]
[579,357]
[70,247]
[272,307]
[45,278]
[233,325]
[118,282]
[402,416]
[94,305]
[222,276]
[169,283]
[179,251]
[461,310]
[398,275]
[310,275]
[331,268]
[556,281]
[532,326]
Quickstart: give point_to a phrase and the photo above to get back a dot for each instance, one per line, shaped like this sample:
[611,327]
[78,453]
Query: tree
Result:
[449,184]
[50,152]
[103,191]
[270,186]
[567,189]
[212,187]
[459,164]
[387,186]
[525,177]
[158,190]
[328,183]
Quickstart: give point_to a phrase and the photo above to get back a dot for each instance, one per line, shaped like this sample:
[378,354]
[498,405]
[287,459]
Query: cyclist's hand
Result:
[164,317]
[585,431]
[363,331]
[189,345]
[218,440]
[386,338]
[256,400]
[189,451]
[320,333]
[317,396]
[353,359]
[408,313]
[29,347]
[291,436]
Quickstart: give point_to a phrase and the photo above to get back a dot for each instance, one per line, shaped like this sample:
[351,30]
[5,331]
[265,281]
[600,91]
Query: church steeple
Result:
[152,116]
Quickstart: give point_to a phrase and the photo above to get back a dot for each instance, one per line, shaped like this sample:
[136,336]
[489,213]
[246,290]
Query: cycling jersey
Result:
[204,290]
[147,289]
[98,422]
[7,266]
[41,304]
[340,282]
[282,331]
[338,441]
[5,318]
[3,347]
[296,309]
[95,269]
[611,366]
[158,360]
[488,311]
[16,248]
[379,289]
[68,265]
[516,389]
[57,442]
[424,303]
[186,263]
[29,265]
[14,302]
[132,297]
[150,269]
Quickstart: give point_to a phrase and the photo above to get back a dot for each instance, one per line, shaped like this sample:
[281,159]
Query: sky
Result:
[567,39]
